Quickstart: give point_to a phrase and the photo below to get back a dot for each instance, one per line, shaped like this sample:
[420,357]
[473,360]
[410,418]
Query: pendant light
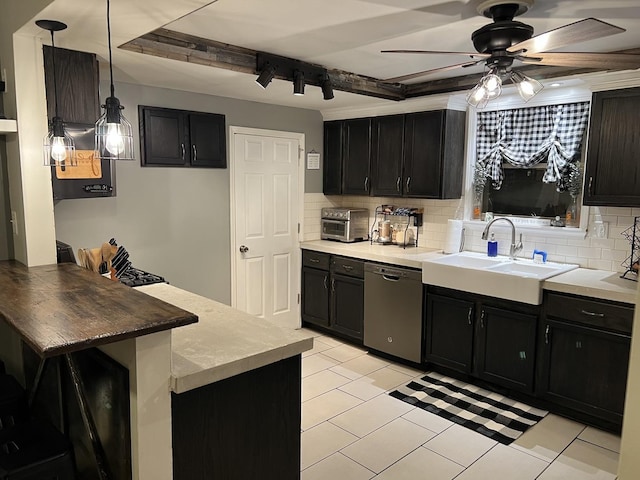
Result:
[59,147]
[114,135]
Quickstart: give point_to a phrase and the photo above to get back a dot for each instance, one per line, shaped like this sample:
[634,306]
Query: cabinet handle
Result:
[333,285]
[408,183]
[398,184]
[592,314]
[325,282]
[366,184]
[183,152]
[314,260]
[546,335]
[482,319]
[469,315]
[590,185]
[195,153]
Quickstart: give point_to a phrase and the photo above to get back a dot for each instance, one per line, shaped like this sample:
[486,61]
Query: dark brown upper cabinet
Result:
[179,138]
[417,155]
[386,156]
[434,154]
[356,157]
[612,167]
[77,84]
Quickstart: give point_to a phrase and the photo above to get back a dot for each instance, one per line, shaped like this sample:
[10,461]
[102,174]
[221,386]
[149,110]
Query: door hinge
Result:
[298,299]
[300,155]
[298,228]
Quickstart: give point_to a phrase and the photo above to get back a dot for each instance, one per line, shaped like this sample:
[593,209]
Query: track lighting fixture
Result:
[327,88]
[59,147]
[266,75]
[298,82]
[114,134]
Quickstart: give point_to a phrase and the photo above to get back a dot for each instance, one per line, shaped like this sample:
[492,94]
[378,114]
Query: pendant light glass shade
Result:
[114,134]
[488,88]
[59,148]
[527,86]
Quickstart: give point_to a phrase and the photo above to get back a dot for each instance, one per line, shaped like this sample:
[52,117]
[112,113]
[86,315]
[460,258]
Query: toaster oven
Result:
[345,224]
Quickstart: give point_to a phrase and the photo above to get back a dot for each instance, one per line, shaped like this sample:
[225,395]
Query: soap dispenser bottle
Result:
[492,246]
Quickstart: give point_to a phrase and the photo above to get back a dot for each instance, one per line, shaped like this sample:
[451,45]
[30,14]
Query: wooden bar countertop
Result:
[64,308]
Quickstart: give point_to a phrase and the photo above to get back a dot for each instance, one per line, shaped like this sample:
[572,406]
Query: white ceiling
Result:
[342,34]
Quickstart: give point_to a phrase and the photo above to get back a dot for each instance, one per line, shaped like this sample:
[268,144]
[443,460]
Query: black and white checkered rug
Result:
[495,416]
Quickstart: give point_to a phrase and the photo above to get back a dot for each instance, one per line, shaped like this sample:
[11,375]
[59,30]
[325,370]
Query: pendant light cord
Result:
[109,38]
[55,82]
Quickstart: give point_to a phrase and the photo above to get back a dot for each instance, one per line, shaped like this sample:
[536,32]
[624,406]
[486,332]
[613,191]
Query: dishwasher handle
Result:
[391,278]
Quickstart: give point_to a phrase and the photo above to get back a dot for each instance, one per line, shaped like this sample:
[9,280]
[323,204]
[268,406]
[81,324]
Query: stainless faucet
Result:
[515,248]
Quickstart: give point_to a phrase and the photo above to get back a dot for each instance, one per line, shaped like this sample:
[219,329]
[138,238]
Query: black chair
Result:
[35,450]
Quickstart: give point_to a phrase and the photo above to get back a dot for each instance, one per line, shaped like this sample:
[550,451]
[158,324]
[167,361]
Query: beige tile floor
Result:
[353,430]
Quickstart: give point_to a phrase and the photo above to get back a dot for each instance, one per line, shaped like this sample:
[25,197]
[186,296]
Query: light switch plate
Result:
[601,229]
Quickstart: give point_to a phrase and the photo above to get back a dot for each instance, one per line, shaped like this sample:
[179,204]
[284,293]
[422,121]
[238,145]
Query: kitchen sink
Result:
[519,280]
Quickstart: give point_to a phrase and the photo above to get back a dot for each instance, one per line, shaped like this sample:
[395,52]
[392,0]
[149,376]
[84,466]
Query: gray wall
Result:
[175,221]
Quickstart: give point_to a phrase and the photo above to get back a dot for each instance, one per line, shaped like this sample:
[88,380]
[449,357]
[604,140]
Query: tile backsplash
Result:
[599,253]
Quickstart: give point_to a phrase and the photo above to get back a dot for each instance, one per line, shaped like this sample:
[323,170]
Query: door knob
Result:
[244,249]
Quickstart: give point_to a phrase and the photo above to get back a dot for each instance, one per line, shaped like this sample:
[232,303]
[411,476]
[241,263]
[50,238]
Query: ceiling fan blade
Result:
[581,31]
[411,76]
[433,52]
[603,61]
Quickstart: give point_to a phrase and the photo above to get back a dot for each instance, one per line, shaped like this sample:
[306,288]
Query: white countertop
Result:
[594,283]
[393,254]
[225,342]
[601,284]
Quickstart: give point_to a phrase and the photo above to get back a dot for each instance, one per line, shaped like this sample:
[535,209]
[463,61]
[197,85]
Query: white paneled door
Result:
[266,197]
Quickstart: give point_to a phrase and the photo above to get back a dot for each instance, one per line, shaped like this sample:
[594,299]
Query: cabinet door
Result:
[449,339]
[357,154]
[506,344]
[208,140]
[386,156]
[315,296]
[434,154]
[332,167]
[77,84]
[347,305]
[612,167]
[585,369]
[164,138]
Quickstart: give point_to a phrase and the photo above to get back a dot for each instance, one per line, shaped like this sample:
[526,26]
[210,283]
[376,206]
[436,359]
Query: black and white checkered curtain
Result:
[525,137]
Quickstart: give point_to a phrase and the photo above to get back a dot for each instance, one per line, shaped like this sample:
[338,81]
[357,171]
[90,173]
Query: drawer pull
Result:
[398,184]
[348,268]
[314,260]
[592,314]
[469,315]
[325,282]
[333,284]
[482,319]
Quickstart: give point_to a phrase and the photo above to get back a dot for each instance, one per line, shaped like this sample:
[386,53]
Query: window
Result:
[527,160]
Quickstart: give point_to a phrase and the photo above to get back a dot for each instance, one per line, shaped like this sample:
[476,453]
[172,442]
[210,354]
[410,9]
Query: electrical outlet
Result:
[601,229]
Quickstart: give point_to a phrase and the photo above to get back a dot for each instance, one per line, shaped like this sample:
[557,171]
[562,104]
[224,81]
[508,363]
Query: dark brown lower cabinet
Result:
[243,427]
[585,355]
[487,338]
[333,293]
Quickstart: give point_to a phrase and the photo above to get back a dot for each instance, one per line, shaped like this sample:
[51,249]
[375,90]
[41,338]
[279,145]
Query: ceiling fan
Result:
[505,40]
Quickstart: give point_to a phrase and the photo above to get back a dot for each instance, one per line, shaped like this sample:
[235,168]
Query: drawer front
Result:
[590,312]
[347,266]
[315,259]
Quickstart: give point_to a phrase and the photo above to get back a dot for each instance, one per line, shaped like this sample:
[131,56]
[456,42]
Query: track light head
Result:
[327,88]
[298,82]
[266,75]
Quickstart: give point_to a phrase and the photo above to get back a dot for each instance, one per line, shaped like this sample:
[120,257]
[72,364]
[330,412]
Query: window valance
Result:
[525,137]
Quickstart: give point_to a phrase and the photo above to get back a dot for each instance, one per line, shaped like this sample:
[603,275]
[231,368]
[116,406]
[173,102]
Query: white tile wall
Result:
[590,252]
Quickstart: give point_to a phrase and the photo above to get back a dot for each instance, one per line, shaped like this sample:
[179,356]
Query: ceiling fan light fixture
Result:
[478,96]
[298,83]
[527,86]
[493,84]
[266,75]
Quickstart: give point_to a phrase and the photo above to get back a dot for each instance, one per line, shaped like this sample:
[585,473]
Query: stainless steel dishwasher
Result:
[393,310]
